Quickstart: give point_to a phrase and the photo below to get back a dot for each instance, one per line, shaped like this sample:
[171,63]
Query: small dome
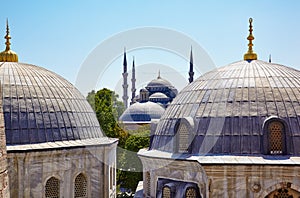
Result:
[40,106]
[227,109]
[158,95]
[142,112]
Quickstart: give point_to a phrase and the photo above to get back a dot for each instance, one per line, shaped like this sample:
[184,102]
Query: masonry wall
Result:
[251,181]
[29,171]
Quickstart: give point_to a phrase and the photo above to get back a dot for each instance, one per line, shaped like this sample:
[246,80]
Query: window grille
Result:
[166,192]
[80,188]
[52,188]
[183,138]
[190,193]
[276,137]
[282,193]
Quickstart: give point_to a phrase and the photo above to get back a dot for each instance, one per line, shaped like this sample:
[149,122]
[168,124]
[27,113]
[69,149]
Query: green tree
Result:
[108,110]
[130,161]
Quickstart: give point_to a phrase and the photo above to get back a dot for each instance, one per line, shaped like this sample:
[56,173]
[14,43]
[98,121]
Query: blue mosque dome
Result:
[142,112]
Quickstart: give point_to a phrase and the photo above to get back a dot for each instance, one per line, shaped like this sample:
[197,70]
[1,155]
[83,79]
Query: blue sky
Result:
[59,35]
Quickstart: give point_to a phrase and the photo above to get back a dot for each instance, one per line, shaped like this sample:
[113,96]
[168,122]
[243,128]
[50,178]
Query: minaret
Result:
[125,85]
[250,55]
[133,83]
[191,72]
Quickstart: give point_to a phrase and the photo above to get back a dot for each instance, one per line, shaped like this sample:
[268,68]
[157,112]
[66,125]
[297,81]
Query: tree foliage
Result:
[108,110]
[137,140]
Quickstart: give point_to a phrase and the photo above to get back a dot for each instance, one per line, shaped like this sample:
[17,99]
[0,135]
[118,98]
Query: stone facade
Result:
[29,171]
[4,188]
[221,180]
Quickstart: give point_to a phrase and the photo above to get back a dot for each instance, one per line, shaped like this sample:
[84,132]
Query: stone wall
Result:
[250,181]
[4,188]
[29,171]
[188,171]
[223,180]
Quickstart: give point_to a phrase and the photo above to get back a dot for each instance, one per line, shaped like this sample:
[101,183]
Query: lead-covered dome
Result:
[142,112]
[234,110]
[40,106]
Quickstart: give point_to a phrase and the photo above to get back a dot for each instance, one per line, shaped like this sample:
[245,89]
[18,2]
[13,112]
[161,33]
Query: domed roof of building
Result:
[142,112]
[227,109]
[158,95]
[159,82]
[40,106]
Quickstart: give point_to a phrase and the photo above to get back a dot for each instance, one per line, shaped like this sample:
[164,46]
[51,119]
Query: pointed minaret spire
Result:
[125,62]
[8,55]
[270,59]
[133,89]
[125,85]
[250,55]
[191,72]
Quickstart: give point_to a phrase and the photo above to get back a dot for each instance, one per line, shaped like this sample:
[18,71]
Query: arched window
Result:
[166,192]
[80,186]
[276,137]
[284,193]
[52,188]
[183,134]
[191,193]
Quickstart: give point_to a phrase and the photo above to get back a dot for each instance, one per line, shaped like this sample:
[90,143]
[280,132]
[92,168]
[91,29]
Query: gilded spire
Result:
[250,55]
[8,55]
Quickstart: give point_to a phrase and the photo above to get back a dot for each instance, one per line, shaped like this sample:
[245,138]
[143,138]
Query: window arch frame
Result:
[189,122]
[87,183]
[59,184]
[286,137]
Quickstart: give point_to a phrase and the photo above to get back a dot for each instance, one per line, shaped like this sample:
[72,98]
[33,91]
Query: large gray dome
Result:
[40,106]
[227,109]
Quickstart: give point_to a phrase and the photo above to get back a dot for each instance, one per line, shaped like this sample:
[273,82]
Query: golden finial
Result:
[8,55]
[250,55]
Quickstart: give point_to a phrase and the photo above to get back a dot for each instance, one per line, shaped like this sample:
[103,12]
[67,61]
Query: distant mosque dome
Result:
[161,85]
[142,112]
[159,82]
[158,95]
